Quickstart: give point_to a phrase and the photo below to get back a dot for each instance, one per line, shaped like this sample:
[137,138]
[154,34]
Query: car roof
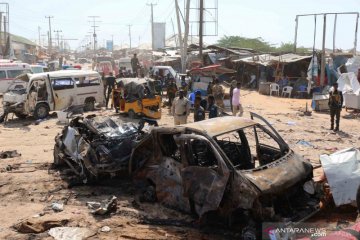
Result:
[221,125]
[65,73]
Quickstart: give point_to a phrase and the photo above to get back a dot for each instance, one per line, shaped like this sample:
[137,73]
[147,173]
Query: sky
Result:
[274,21]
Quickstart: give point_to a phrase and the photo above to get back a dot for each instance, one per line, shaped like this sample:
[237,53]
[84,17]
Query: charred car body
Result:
[96,146]
[237,168]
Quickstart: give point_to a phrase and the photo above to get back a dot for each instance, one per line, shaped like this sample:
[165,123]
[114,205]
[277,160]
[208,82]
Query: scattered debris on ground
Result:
[104,207]
[9,154]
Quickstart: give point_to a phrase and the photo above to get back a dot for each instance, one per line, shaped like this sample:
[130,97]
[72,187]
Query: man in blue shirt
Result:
[213,109]
[199,112]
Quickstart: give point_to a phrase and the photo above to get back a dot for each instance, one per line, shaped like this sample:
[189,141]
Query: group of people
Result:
[180,106]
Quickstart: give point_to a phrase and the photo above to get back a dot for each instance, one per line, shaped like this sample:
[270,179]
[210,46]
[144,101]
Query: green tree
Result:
[257,44]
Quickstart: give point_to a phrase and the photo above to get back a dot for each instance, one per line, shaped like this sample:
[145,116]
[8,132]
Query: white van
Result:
[55,91]
[8,73]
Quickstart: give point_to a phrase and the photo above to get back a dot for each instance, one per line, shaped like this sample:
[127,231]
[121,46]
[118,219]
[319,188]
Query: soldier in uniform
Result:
[218,93]
[335,104]
[171,91]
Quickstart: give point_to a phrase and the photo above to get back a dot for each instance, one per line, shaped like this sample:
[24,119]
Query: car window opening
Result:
[250,148]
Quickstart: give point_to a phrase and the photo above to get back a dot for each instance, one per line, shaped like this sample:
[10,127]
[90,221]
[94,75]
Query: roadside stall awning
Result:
[216,69]
[268,59]
[167,59]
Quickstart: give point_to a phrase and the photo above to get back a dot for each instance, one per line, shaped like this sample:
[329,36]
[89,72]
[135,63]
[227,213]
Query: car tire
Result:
[41,111]
[131,114]
[89,105]
[21,115]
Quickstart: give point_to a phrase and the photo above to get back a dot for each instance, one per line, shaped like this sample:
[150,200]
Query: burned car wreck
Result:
[239,169]
[95,146]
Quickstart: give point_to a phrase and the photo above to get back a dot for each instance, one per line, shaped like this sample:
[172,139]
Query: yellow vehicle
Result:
[136,97]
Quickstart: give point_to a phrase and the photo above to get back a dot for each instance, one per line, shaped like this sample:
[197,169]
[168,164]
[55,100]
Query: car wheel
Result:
[89,105]
[21,115]
[131,114]
[41,111]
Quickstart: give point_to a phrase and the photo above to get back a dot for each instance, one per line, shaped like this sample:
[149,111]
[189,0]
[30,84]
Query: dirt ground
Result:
[27,191]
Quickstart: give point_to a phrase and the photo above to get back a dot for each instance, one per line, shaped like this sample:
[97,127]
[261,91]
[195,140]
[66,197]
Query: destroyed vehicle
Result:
[54,91]
[240,169]
[96,146]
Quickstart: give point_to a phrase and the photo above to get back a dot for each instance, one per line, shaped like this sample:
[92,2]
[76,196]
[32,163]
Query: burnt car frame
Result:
[238,168]
[96,146]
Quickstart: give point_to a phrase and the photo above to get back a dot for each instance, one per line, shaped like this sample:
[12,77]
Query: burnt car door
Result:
[204,173]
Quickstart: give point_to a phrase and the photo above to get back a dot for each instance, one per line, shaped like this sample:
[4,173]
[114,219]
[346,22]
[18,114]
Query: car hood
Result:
[281,175]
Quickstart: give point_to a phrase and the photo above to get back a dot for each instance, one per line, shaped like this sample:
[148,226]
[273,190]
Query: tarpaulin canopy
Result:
[269,59]
[167,59]
[348,83]
[135,87]
[342,170]
[216,69]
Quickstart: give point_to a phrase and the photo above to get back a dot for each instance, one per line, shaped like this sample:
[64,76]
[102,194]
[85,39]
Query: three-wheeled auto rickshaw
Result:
[137,97]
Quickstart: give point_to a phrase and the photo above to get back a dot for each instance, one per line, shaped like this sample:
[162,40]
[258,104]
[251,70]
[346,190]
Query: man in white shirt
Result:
[180,109]
[237,107]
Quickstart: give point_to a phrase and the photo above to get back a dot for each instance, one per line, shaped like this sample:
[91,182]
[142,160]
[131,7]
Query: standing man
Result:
[203,102]
[184,85]
[180,109]
[218,93]
[199,112]
[213,109]
[232,87]
[171,91]
[237,107]
[110,84]
[335,104]
[135,65]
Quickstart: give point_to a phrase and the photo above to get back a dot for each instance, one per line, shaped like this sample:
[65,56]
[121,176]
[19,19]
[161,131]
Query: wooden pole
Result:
[322,74]
[201,23]
[296,31]
[334,34]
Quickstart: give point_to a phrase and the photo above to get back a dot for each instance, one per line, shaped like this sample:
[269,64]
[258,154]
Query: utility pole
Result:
[130,34]
[334,33]
[39,29]
[58,38]
[1,33]
[152,24]
[186,34]
[201,23]
[94,33]
[322,73]
[179,32]
[50,39]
